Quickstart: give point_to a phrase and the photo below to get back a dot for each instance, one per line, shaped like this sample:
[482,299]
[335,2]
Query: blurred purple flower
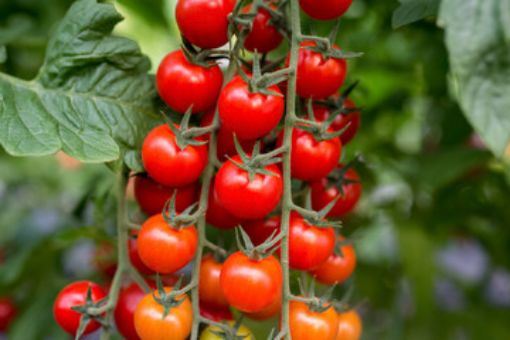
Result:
[464,260]
[497,291]
[448,296]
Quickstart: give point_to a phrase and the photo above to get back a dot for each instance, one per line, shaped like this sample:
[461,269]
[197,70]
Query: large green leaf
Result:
[93,98]
[414,10]
[478,40]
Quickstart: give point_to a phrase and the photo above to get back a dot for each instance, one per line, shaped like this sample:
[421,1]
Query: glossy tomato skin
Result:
[225,145]
[325,9]
[264,37]
[209,286]
[216,215]
[241,274]
[210,333]
[309,246]
[249,115]
[247,199]
[260,230]
[215,313]
[150,324]
[306,324]
[323,194]
[167,163]
[350,326]
[267,313]
[353,119]
[338,267]
[182,84]
[312,160]
[166,249]
[8,312]
[312,66]
[152,196]
[72,295]
[129,297]
[204,22]
[134,257]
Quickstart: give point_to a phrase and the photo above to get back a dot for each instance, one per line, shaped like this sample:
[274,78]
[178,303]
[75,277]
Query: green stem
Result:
[287,141]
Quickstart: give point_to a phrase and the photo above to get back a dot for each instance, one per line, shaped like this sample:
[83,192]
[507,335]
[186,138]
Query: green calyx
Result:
[167,300]
[260,252]
[184,135]
[86,317]
[231,333]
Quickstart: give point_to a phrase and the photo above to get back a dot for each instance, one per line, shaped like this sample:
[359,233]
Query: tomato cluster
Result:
[242,181]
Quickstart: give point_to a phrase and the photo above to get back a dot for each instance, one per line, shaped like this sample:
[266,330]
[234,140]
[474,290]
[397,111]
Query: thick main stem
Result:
[287,203]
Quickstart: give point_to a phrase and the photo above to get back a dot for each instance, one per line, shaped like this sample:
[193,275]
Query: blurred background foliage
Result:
[431,231]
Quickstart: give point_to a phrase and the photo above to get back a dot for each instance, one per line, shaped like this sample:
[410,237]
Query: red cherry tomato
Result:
[134,257]
[167,163]
[209,286]
[260,230]
[263,37]
[309,246]
[349,326]
[241,275]
[204,22]
[182,84]
[152,323]
[313,66]
[166,249]
[8,312]
[322,113]
[216,313]
[323,194]
[249,115]
[311,159]
[73,295]
[267,313]
[247,199]
[338,267]
[325,9]
[152,196]
[307,324]
[129,297]
[225,145]
[216,214]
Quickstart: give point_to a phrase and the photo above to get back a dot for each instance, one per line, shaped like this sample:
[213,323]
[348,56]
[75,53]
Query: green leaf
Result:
[93,98]
[478,41]
[3,54]
[414,10]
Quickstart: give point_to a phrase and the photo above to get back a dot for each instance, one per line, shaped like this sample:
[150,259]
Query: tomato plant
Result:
[241,273]
[338,267]
[263,37]
[164,248]
[75,295]
[325,10]
[209,287]
[216,214]
[305,323]
[349,121]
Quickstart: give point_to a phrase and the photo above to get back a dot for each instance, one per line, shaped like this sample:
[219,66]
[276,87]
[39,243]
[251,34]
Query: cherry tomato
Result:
[129,297]
[215,313]
[237,194]
[167,163]
[353,119]
[338,267]
[225,139]
[8,312]
[134,257]
[267,313]
[164,248]
[152,196]
[309,246]
[349,326]
[211,333]
[249,115]
[263,37]
[204,23]
[151,324]
[182,84]
[313,66]
[311,159]
[209,286]
[323,193]
[241,274]
[325,9]
[216,215]
[73,295]
[307,324]
[260,230]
